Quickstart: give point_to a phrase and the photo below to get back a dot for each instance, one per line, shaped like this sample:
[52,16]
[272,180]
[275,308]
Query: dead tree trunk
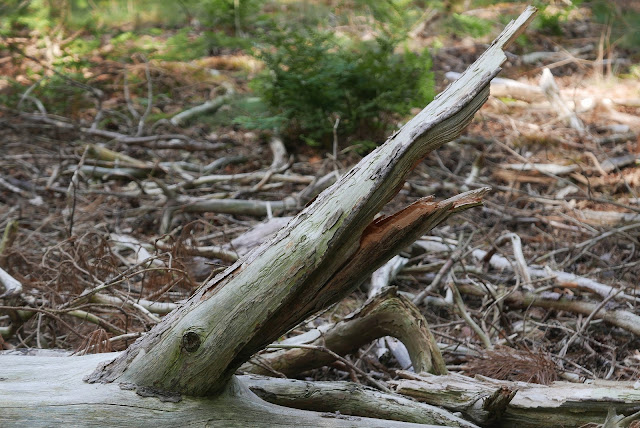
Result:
[317,259]
[313,262]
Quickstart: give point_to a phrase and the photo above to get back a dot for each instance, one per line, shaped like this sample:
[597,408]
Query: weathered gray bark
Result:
[50,392]
[349,399]
[561,404]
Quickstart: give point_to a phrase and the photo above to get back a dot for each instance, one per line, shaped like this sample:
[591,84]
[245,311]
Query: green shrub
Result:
[183,47]
[218,40]
[314,77]
[549,19]
[23,15]
[624,19]
[223,13]
[466,25]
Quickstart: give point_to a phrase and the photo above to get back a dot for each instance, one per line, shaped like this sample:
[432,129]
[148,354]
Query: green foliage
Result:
[62,98]
[634,72]
[183,47]
[363,147]
[624,20]
[246,111]
[218,40]
[550,19]
[83,46]
[101,15]
[524,41]
[224,13]
[25,15]
[312,78]
[76,55]
[395,15]
[468,25]
[11,93]
[392,17]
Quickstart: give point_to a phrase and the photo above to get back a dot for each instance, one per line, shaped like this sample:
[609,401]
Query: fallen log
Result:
[349,399]
[561,404]
[39,391]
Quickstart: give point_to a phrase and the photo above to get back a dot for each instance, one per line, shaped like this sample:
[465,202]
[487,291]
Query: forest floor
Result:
[547,268]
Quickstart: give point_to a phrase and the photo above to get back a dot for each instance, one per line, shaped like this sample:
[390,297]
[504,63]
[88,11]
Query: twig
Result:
[144,116]
[562,278]
[87,316]
[335,143]
[586,322]
[209,106]
[211,251]
[127,97]
[346,362]
[457,299]
[521,264]
[12,287]
[618,317]
[552,92]
[122,276]
[71,191]
[46,312]
[442,273]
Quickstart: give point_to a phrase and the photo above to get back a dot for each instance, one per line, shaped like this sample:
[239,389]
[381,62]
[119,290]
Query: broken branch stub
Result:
[198,347]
